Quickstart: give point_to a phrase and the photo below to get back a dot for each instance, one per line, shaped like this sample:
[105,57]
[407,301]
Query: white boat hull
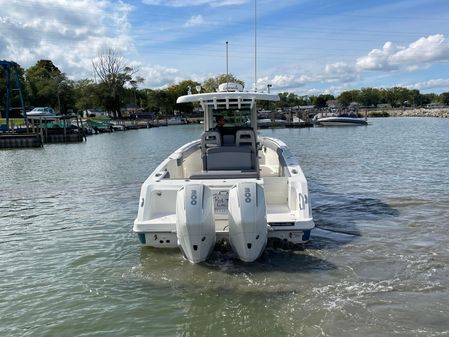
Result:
[341,121]
[230,185]
[287,208]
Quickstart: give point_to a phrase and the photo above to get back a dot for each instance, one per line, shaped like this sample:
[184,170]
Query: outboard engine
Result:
[247,220]
[195,226]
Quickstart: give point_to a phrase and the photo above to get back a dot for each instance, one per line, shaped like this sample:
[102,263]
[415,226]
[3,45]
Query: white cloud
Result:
[377,59]
[335,72]
[339,71]
[430,84]
[190,3]
[195,20]
[417,55]
[283,81]
[424,51]
[420,54]
[69,33]
[158,76]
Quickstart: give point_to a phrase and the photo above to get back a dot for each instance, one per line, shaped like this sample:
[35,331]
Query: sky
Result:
[307,47]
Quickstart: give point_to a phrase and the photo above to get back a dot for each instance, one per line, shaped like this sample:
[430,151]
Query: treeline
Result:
[117,87]
[369,97]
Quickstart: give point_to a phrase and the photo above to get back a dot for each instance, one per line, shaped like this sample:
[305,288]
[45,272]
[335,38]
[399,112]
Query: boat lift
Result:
[7,68]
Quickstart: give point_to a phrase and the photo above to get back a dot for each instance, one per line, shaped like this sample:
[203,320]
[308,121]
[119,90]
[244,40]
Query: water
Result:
[377,266]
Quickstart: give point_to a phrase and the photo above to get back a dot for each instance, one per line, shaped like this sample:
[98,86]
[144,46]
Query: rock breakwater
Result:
[410,112]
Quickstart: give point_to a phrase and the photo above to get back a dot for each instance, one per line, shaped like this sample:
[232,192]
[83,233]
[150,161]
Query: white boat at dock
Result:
[41,113]
[230,185]
[176,120]
[335,119]
[265,123]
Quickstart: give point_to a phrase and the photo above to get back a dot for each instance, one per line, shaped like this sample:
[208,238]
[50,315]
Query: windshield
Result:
[233,117]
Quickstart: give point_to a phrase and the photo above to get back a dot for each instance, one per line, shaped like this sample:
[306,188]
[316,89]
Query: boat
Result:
[41,113]
[100,125]
[176,120]
[230,186]
[265,123]
[338,119]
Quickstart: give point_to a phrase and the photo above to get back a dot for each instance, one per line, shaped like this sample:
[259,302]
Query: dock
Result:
[15,140]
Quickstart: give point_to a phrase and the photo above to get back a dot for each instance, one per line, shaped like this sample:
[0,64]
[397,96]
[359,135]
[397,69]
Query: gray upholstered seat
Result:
[210,139]
[230,158]
[246,137]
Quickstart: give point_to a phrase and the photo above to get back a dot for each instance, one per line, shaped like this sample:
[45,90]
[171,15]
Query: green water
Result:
[71,266]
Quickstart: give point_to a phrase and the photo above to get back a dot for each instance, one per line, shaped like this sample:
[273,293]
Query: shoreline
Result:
[407,112]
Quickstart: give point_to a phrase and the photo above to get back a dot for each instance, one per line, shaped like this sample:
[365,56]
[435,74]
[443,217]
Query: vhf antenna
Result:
[255,45]
[227,67]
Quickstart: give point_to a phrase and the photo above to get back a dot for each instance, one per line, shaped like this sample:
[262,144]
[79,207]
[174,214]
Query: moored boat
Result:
[42,113]
[230,185]
[334,119]
[176,120]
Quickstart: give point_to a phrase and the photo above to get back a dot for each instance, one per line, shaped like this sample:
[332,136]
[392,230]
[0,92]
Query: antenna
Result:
[227,66]
[227,58]
[255,45]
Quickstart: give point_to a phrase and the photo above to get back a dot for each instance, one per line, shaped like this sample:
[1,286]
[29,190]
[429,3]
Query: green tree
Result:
[347,97]
[321,100]
[211,84]
[161,101]
[369,96]
[66,96]
[150,100]
[42,81]
[181,89]
[444,98]
[86,95]
[114,73]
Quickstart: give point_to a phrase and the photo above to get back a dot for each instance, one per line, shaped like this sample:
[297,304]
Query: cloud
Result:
[339,71]
[334,72]
[417,55]
[195,20]
[420,54]
[69,33]
[430,84]
[283,81]
[377,59]
[157,76]
[191,3]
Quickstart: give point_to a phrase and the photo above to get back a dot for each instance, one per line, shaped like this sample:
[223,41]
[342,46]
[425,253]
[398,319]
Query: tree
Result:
[211,84]
[66,96]
[114,73]
[42,83]
[369,97]
[86,95]
[180,89]
[321,100]
[347,97]
[444,98]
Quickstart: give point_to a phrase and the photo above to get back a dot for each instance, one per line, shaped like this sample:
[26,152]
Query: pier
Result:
[14,140]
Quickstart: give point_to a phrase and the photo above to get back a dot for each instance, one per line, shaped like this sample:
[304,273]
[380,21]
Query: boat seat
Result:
[246,137]
[230,158]
[210,139]
[228,140]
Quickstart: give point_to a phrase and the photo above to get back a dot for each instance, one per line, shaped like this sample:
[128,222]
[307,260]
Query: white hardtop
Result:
[225,99]
[229,97]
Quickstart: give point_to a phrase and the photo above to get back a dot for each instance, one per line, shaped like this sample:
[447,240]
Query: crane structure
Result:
[8,67]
